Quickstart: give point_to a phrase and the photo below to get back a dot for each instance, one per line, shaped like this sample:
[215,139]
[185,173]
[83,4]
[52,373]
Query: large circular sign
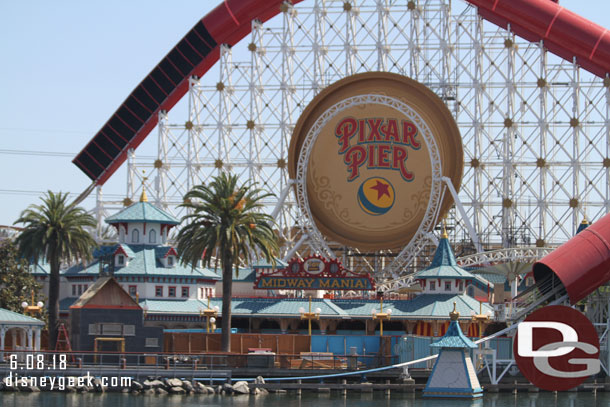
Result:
[372,149]
[556,348]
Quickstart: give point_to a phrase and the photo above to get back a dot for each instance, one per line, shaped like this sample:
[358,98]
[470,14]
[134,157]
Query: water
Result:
[307,400]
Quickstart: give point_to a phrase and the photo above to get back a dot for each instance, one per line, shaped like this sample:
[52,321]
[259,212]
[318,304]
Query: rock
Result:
[174,382]
[135,385]
[186,385]
[263,392]
[148,391]
[152,384]
[210,389]
[177,390]
[30,389]
[255,391]
[126,390]
[97,384]
[135,391]
[241,387]
[259,380]
[280,391]
[200,390]
[160,390]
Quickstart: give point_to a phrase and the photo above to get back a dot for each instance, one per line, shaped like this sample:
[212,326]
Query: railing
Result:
[201,366]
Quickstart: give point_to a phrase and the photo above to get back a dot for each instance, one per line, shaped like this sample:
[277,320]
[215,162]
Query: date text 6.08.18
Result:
[37,361]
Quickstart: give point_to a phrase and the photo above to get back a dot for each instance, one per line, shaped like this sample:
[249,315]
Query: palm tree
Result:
[55,232]
[225,218]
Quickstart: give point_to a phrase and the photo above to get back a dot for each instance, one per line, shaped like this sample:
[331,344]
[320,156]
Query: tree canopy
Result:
[225,223]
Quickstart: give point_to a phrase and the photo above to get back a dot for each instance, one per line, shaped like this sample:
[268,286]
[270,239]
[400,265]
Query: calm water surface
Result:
[307,400]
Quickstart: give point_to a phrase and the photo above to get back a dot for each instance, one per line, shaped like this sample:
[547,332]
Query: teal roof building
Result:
[444,276]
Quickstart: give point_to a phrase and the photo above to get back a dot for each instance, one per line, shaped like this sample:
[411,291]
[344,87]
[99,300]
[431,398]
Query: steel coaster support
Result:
[607,147]
[383,10]
[255,125]
[576,166]
[132,174]
[224,121]
[458,203]
[319,48]
[194,137]
[541,163]
[414,41]
[162,164]
[508,151]
[477,126]
[99,212]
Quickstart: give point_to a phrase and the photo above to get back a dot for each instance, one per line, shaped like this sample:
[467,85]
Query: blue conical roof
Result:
[583,225]
[444,265]
[444,255]
[454,338]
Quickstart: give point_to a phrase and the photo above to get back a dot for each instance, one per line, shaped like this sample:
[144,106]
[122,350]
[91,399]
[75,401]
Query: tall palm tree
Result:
[55,232]
[225,219]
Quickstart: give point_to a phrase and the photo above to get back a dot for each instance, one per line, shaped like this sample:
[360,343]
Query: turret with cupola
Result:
[444,276]
[143,262]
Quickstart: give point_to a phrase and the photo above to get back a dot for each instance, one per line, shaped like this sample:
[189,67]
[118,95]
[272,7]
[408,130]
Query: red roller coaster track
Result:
[564,33]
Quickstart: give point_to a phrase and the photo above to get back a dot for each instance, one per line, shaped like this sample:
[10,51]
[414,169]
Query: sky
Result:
[67,65]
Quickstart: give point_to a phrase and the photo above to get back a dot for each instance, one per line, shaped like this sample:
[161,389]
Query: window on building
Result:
[133,290]
[432,285]
[85,286]
[135,236]
[151,342]
[159,291]
[152,236]
[461,286]
[80,289]
[201,293]
[171,291]
[73,289]
[170,261]
[470,291]
[185,292]
[120,260]
[447,285]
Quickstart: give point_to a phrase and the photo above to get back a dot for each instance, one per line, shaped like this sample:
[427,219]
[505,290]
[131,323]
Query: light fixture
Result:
[32,309]
[210,314]
[310,315]
[381,316]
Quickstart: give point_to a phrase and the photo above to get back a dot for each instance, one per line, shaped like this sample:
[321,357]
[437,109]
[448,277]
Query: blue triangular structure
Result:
[453,374]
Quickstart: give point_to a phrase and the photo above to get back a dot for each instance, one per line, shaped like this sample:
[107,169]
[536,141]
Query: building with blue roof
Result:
[175,296]
[444,276]
[142,261]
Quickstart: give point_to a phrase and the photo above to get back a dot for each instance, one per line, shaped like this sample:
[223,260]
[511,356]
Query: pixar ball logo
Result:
[556,348]
[376,196]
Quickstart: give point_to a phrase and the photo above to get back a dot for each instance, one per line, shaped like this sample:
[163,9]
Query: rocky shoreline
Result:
[152,385]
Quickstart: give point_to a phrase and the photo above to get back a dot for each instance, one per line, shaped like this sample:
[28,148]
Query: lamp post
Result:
[381,316]
[32,309]
[480,318]
[210,314]
[310,315]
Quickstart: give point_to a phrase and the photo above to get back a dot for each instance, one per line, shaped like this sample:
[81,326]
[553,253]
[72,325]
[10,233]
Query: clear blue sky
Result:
[67,65]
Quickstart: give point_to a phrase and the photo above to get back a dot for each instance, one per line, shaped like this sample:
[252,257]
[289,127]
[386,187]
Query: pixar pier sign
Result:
[376,143]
